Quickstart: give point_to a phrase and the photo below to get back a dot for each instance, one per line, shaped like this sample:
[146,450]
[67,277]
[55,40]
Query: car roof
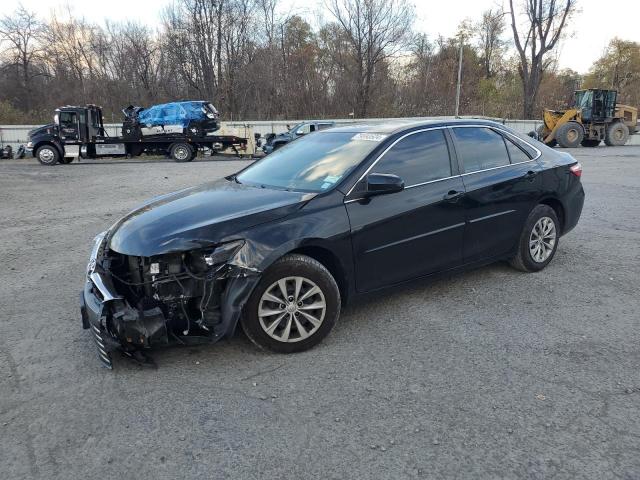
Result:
[392,126]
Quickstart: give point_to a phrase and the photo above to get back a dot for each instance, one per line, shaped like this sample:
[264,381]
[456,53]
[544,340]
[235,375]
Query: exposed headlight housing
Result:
[223,252]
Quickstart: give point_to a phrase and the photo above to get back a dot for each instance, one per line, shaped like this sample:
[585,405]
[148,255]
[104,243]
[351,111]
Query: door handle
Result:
[530,175]
[453,196]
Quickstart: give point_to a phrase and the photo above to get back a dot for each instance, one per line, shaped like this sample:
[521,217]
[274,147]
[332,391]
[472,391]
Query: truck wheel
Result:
[617,134]
[570,135]
[590,143]
[194,155]
[540,132]
[48,155]
[181,152]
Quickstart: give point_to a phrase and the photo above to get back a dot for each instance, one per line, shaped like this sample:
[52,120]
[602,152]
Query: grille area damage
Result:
[176,298]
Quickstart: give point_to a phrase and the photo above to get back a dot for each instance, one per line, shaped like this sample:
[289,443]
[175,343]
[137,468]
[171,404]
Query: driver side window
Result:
[67,119]
[418,158]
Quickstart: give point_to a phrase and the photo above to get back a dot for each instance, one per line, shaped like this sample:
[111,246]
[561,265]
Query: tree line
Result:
[365,59]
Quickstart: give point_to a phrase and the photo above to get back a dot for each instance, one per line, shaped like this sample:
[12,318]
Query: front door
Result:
[69,126]
[502,185]
[417,231]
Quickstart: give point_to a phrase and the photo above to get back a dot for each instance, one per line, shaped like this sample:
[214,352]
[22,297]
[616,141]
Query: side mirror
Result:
[382,183]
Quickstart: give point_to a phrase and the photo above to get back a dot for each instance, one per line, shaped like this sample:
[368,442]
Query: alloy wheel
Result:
[542,239]
[292,309]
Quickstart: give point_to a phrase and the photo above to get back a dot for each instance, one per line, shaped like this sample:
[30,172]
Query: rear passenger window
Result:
[480,148]
[515,153]
[420,157]
[324,126]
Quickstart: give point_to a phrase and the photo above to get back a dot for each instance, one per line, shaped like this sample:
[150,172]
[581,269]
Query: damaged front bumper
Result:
[117,325]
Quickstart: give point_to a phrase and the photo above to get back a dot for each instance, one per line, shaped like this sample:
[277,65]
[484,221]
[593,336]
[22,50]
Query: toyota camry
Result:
[279,247]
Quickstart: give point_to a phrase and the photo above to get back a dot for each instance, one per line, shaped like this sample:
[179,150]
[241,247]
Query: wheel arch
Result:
[557,207]
[42,143]
[331,262]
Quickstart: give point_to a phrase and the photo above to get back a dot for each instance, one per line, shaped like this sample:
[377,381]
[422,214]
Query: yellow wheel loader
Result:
[595,117]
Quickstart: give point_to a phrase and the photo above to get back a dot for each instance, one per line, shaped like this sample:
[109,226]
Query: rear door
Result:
[414,232]
[502,184]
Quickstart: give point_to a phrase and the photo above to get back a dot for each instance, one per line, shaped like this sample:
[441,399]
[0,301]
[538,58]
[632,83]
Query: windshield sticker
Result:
[371,137]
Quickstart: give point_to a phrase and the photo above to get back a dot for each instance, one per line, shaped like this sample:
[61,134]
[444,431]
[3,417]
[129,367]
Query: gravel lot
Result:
[489,374]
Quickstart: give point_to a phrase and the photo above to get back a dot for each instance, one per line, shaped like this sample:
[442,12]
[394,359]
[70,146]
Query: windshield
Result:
[295,128]
[314,163]
[583,99]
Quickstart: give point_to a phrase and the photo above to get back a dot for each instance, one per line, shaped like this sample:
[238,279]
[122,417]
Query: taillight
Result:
[576,169]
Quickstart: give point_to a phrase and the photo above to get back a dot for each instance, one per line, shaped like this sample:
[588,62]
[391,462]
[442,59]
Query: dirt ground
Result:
[488,374]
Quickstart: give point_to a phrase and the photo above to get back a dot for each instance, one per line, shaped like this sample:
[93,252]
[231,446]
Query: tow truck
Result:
[79,132]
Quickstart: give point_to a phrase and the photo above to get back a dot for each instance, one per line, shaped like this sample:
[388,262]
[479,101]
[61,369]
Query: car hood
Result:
[199,217]
[39,130]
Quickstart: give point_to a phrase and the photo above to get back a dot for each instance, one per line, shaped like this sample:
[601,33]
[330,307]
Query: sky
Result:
[596,23]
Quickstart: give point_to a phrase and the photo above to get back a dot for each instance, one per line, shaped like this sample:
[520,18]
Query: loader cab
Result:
[79,124]
[596,105]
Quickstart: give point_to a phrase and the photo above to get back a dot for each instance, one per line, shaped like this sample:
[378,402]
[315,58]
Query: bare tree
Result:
[376,30]
[20,31]
[543,27]
[489,32]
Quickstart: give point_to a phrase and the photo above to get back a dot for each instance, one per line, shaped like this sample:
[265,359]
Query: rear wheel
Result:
[617,134]
[181,152]
[538,241]
[48,155]
[294,306]
[590,143]
[570,134]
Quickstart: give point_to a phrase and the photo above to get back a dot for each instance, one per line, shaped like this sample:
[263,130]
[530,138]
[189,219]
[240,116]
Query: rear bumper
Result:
[573,209]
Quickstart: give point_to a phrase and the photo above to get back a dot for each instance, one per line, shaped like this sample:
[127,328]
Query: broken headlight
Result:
[98,242]
[222,253]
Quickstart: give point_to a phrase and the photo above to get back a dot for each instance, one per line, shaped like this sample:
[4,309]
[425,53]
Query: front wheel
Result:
[538,241]
[294,306]
[48,155]
[570,134]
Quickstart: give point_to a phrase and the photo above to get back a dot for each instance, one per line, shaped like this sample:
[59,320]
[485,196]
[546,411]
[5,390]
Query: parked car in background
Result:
[274,142]
[280,246]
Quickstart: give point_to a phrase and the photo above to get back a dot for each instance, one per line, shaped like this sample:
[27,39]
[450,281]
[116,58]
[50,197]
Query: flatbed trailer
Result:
[78,132]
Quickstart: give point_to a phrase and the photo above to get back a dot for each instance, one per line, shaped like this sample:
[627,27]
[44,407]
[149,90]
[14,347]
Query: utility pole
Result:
[459,76]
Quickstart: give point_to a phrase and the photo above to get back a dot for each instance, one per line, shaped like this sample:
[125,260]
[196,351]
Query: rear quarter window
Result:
[516,154]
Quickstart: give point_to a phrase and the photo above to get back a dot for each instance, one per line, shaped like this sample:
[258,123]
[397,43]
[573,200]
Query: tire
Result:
[287,318]
[590,143]
[181,152]
[48,155]
[616,135]
[525,259]
[551,143]
[194,155]
[570,134]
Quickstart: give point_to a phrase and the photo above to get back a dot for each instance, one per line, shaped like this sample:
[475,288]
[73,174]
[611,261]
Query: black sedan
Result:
[280,246]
